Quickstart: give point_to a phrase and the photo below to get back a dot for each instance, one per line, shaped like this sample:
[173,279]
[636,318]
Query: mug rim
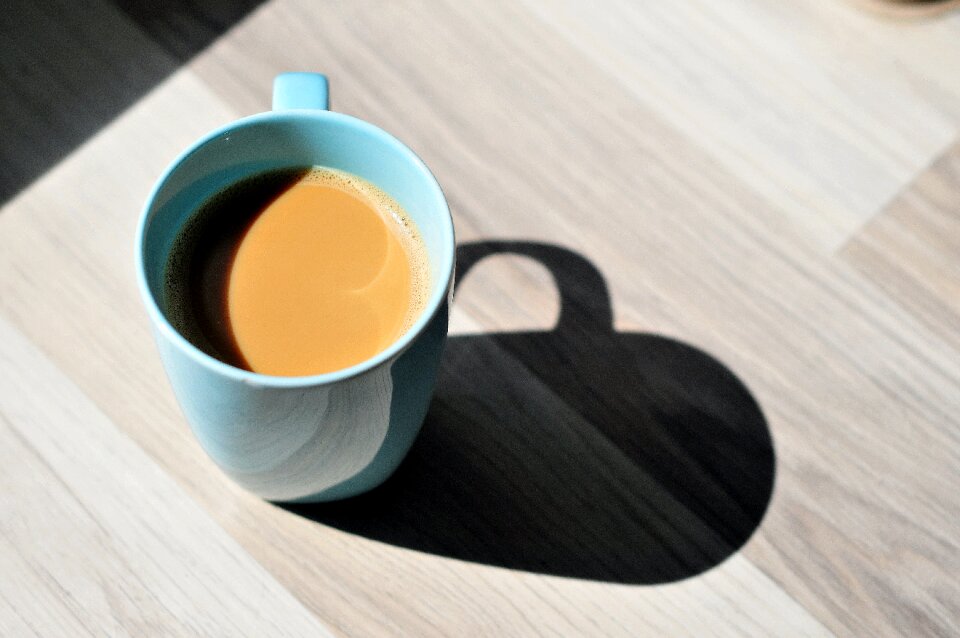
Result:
[434,300]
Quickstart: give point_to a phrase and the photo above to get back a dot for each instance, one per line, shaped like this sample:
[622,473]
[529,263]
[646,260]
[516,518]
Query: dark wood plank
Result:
[66,70]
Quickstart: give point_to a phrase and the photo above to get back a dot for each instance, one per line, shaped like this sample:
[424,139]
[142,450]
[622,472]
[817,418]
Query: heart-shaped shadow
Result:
[579,452]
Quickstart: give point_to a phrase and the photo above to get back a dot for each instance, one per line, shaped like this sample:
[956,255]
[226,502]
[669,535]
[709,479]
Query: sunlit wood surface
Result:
[704,373]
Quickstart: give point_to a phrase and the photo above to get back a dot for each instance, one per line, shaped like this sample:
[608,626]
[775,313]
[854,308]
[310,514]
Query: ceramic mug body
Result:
[327,436]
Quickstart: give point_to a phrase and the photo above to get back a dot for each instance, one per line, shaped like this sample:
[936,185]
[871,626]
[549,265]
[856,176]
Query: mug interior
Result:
[287,139]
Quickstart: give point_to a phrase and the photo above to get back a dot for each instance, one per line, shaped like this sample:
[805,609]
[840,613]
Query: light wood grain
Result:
[758,183]
[912,249]
[766,88]
[97,539]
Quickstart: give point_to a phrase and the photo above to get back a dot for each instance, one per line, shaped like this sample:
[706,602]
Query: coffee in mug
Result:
[296,271]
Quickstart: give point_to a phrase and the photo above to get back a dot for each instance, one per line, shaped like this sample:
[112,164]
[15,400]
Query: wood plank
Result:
[183,28]
[96,539]
[778,93]
[65,73]
[911,250]
[918,48]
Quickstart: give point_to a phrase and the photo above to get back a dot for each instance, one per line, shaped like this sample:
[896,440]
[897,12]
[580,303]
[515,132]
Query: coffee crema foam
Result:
[211,297]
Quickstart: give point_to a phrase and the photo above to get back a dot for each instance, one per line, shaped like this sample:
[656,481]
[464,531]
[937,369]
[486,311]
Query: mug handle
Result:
[301,91]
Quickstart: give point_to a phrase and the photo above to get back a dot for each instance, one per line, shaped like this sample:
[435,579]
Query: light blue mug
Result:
[321,437]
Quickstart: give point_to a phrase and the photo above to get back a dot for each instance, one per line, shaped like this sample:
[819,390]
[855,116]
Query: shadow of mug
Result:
[580,451]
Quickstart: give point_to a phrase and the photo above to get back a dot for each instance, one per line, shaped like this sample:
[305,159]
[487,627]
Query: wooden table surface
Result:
[704,367]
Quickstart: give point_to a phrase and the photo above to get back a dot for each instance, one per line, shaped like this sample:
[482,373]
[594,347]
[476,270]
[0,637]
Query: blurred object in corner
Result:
[910,8]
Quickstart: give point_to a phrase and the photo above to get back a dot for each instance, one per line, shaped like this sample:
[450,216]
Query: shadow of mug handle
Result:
[584,301]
